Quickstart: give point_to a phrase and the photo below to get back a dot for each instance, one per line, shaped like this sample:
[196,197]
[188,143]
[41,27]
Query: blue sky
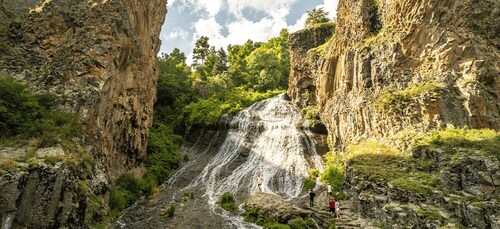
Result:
[233,21]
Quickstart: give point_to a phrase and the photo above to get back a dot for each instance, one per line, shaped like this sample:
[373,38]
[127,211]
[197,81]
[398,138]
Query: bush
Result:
[227,202]
[333,173]
[275,225]
[309,184]
[300,223]
[170,211]
[24,116]
[394,101]
[253,215]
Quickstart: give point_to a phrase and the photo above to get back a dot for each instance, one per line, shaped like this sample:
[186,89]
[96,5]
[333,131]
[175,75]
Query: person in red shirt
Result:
[332,207]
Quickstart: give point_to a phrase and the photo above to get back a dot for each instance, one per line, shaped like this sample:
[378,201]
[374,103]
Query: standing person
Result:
[332,207]
[311,198]
[259,182]
[329,189]
[337,209]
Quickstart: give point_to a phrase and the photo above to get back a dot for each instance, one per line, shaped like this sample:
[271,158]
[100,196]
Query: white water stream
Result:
[265,139]
[273,145]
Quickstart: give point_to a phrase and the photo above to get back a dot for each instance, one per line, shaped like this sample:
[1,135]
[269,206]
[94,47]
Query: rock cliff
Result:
[99,59]
[398,69]
[442,57]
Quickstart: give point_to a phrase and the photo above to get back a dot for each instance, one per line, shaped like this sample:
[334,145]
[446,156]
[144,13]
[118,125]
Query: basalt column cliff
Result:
[441,55]
[100,57]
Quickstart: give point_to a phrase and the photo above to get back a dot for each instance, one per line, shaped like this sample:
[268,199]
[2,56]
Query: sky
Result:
[227,22]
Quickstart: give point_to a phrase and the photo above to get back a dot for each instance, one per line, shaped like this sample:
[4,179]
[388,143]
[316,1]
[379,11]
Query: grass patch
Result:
[227,202]
[431,215]
[300,223]
[384,163]
[394,101]
[485,140]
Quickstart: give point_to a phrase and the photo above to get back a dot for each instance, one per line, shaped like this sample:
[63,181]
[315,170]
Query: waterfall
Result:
[268,137]
[265,139]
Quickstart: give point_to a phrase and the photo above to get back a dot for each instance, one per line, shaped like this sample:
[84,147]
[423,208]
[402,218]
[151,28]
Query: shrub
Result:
[118,200]
[51,160]
[24,116]
[170,211]
[333,173]
[311,112]
[300,223]
[394,101]
[309,184]
[275,225]
[227,202]
[253,215]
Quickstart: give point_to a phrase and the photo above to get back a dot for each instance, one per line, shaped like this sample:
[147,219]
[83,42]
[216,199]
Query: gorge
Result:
[396,103]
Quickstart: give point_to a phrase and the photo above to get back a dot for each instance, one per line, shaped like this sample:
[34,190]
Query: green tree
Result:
[316,16]
[221,62]
[201,49]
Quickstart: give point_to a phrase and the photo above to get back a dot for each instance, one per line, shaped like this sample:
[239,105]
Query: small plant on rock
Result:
[227,202]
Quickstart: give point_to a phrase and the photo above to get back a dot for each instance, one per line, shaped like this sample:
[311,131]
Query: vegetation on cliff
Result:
[25,117]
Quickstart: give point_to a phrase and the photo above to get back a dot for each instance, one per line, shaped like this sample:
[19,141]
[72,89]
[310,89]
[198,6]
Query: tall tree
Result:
[221,62]
[178,56]
[316,16]
[201,49]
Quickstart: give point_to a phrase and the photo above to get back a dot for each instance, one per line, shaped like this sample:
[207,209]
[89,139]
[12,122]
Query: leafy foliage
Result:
[309,184]
[333,173]
[393,101]
[316,16]
[227,202]
[25,116]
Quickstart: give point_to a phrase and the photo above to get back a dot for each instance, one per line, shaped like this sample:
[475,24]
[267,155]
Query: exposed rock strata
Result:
[389,45]
[100,59]
[468,196]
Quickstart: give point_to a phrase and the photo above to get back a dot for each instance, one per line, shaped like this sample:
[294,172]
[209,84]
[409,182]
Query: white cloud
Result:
[208,27]
[275,8]
[240,29]
[178,33]
[330,7]
[299,24]
[212,7]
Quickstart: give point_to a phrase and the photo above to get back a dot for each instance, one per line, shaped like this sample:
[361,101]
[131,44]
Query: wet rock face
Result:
[384,46]
[99,58]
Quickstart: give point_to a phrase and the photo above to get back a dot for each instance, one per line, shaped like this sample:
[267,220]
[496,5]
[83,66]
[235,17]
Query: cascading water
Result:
[264,139]
[277,149]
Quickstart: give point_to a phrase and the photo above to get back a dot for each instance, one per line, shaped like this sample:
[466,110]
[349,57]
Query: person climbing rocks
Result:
[337,209]
[311,198]
[329,189]
[259,182]
[332,206]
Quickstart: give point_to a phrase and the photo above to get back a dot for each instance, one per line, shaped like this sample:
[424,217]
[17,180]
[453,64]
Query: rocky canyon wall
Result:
[99,59]
[405,64]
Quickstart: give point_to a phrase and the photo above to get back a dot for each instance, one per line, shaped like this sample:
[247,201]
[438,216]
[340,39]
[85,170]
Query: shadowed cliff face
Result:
[99,58]
[408,64]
